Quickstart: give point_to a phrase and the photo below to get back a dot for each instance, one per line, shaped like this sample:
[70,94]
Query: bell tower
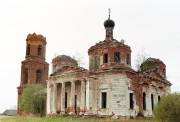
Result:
[34,69]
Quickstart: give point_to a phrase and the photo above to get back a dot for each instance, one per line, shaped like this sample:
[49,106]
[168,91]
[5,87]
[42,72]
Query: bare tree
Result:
[141,57]
[79,58]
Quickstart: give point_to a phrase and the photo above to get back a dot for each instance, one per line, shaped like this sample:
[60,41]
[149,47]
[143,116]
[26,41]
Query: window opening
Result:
[144,101]
[131,101]
[39,50]
[104,99]
[159,98]
[152,101]
[117,57]
[66,100]
[105,60]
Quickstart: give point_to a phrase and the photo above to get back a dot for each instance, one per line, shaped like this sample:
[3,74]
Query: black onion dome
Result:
[109,23]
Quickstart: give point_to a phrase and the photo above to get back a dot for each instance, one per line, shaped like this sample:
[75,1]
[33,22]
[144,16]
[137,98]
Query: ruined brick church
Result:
[109,87]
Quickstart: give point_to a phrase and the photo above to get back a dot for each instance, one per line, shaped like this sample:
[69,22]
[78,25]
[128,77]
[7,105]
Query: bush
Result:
[33,99]
[168,109]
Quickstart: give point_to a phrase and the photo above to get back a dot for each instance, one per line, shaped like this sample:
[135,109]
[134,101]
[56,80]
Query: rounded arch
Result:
[39,75]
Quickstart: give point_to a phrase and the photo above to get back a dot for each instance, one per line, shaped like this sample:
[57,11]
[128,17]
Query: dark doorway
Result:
[144,101]
[75,104]
[66,100]
[152,101]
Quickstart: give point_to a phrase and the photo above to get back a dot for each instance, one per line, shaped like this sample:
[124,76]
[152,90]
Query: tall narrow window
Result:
[66,100]
[28,50]
[144,101]
[105,58]
[25,76]
[159,98]
[128,59]
[131,102]
[104,99]
[39,50]
[117,57]
[38,76]
[152,101]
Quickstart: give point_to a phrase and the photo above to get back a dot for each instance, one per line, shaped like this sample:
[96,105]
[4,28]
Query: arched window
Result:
[105,58]
[117,57]
[38,76]
[25,76]
[28,50]
[39,50]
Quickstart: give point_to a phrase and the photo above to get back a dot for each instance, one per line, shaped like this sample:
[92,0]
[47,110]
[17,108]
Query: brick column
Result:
[82,104]
[72,98]
[54,98]
[63,98]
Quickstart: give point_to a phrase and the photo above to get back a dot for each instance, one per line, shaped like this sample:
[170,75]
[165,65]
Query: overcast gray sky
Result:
[72,26]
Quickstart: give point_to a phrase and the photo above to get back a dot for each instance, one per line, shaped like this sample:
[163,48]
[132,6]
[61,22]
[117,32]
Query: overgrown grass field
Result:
[68,119]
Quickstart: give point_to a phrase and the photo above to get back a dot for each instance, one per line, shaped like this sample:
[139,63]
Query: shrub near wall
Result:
[168,109]
[33,99]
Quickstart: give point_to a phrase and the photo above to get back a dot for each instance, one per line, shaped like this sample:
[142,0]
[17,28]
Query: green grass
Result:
[68,119]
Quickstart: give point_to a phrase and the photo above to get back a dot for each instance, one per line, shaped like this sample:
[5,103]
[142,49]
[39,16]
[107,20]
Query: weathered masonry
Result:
[110,86]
